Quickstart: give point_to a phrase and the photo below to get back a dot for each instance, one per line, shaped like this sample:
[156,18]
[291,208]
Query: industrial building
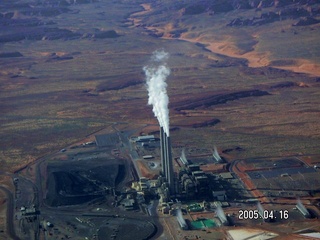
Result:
[146,138]
[31,211]
[146,141]
[193,182]
[219,194]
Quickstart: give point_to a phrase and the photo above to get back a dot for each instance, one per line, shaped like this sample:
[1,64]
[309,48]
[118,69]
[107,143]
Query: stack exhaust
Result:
[156,74]
[216,155]
[303,209]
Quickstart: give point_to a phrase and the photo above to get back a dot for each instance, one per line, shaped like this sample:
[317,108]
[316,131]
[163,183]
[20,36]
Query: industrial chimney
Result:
[170,174]
[166,160]
[163,153]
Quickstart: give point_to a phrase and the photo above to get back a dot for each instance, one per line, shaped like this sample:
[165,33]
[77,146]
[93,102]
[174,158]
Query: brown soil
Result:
[145,171]
[213,168]
[226,47]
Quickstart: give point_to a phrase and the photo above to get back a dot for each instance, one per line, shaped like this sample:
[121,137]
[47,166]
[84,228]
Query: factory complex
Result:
[210,191]
[145,179]
[142,181]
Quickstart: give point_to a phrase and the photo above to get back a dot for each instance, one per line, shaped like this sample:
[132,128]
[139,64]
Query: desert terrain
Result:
[245,77]
[75,68]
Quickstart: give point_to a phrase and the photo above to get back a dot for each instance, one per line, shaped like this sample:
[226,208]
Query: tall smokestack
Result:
[170,174]
[163,152]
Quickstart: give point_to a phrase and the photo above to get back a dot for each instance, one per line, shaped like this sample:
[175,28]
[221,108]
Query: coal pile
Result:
[127,229]
[75,187]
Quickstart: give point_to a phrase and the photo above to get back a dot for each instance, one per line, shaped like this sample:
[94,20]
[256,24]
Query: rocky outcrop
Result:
[10,54]
[211,6]
[29,19]
[221,6]
[106,34]
[285,10]
[306,21]
[40,34]
[271,72]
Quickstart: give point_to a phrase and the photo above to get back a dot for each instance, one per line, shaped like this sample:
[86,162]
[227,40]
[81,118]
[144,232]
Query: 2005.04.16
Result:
[265,214]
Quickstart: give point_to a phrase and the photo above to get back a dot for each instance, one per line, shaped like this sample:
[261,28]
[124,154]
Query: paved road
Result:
[10,213]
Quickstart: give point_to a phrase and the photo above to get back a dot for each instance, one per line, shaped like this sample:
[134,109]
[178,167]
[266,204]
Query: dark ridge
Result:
[14,37]
[58,33]
[177,33]
[271,72]
[15,76]
[39,34]
[306,21]
[29,22]
[10,54]
[208,123]
[218,99]
[45,11]
[117,85]
[106,34]
[58,58]
[284,85]
[203,47]
[194,10]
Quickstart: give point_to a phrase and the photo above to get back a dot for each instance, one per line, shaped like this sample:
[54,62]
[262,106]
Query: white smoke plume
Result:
[156,74]
[216,154]
[183,157]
